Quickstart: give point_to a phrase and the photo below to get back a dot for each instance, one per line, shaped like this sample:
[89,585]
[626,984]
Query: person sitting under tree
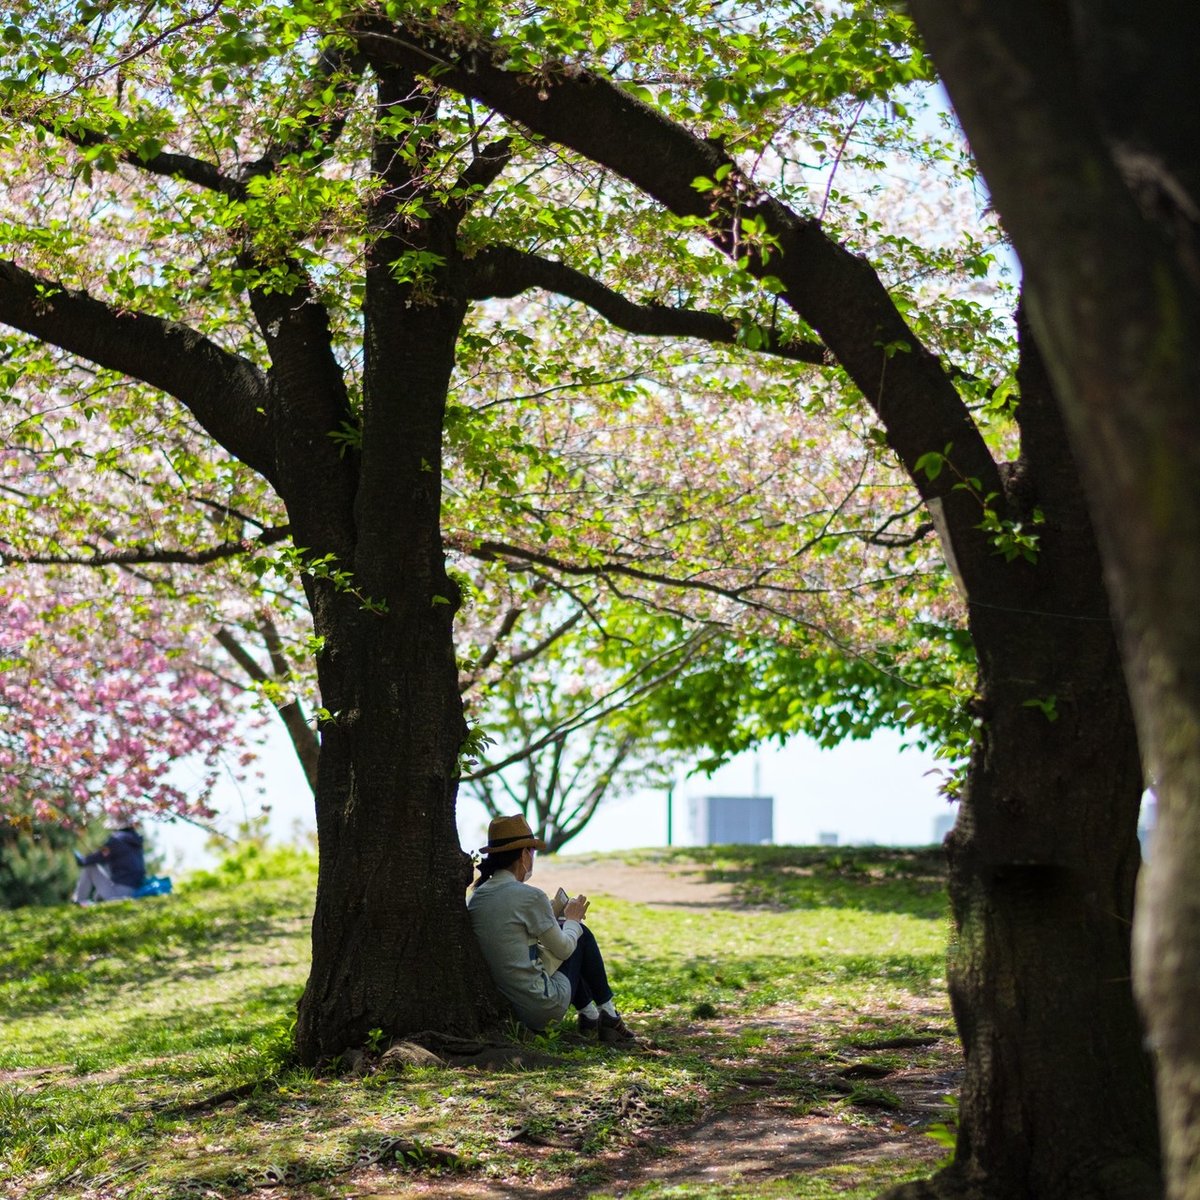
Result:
[115,871]
[521,937]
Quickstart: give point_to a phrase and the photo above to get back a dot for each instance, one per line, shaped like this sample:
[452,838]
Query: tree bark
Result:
[1085,123]
[1057,1100]
[392,946]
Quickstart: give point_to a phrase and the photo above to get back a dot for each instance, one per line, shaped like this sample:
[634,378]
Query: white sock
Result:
[609,1007]
[590,1011]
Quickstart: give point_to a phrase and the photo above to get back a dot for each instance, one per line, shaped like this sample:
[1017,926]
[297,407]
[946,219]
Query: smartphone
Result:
[561,898]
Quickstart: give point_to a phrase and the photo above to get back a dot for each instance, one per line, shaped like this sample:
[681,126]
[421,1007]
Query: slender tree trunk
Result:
[304,739]
[1167,937]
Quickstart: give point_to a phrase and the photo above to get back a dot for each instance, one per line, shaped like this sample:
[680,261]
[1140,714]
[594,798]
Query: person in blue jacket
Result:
[115,871]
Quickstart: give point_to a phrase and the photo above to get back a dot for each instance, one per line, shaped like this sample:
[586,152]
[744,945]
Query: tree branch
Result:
[226,393]
[502,271]
[291,712]
[482,171]
[242,656]
[202,173]
[600,707]
[531,652]
[344,71]
[146,554]
[328,124]
[488,551]
[507,625]
[308,378]
[835,292]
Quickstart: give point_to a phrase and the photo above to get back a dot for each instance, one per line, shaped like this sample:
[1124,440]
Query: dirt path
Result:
[761,1137]
[666,886]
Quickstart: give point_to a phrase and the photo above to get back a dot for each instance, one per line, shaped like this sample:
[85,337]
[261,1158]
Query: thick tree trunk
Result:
[392,946]
[1084,120]
[1057,1101]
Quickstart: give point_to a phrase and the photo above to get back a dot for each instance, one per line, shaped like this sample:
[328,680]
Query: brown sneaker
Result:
[614,1031]
[589,1027]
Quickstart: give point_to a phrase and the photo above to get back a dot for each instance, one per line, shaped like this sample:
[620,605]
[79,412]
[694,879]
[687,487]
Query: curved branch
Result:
[895,541]
[226,393]
[291,712]
[491,551]
[304,368]
[489,656]
[321,128]
[170,165]
[605,705]
[482,171]
[502,271]
[146,554]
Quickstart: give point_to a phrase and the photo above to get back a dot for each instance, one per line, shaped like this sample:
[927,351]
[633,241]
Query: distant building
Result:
[728,820]
[827,839]
[941,826]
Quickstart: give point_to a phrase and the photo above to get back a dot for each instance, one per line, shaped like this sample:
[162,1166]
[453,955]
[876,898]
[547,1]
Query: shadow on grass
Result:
[227,1025]
[868,878]
[565,1120]
[189,1085]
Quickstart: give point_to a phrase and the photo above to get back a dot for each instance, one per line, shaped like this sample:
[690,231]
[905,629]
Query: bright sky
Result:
[869,791]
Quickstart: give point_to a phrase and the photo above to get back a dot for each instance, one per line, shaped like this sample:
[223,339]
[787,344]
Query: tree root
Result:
[486,1054]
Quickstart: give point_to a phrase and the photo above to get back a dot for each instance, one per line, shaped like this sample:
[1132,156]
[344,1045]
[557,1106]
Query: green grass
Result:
[145,1048]
[836,1183]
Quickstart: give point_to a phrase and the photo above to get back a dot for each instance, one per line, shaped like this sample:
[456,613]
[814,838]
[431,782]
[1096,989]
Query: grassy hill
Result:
[145,1048]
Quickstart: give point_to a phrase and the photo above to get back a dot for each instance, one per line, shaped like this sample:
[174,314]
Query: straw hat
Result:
[510,833]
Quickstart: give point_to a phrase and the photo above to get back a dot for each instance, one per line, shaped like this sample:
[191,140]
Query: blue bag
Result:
[155,885]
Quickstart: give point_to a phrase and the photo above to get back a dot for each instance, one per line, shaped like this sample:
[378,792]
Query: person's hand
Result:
[576,908]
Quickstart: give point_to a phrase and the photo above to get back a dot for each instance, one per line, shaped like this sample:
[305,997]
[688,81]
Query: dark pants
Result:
[585,970]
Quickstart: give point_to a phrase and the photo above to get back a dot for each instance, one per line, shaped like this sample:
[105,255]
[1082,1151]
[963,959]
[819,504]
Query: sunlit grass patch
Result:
[665,959]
